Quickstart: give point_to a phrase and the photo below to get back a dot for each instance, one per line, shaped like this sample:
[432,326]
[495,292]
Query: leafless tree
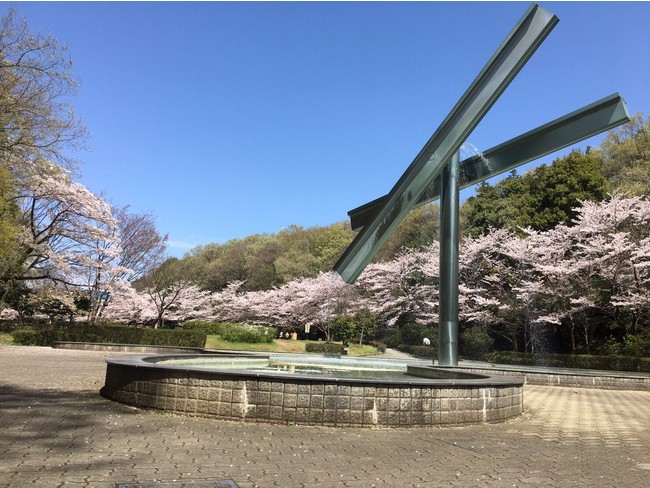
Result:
[36,122]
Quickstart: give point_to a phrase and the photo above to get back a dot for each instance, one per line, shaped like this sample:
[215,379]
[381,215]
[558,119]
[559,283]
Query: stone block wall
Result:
[602,380]
[337,403]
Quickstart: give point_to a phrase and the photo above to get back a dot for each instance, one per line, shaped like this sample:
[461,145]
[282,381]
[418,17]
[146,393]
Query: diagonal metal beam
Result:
[490,83]
[581,124]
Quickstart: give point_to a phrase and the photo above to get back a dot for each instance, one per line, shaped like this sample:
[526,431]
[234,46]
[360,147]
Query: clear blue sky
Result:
[229,119]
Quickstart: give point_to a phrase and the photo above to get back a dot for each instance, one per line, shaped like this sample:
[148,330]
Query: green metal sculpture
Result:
[435,170]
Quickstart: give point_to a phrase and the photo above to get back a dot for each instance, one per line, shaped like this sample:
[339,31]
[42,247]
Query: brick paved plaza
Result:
[57,431]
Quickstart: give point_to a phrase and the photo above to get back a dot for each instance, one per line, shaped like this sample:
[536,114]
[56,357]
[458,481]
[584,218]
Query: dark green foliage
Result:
[324,347]
[343,328]
[625,156]
[391,337]
[234,332]
[209,328]
[9,325]
[109,335]
[637,345]
[265,261]
[366,323]
[541,198]
[33,337]
[606,363]
[475,343]
[249,335]
[413,334]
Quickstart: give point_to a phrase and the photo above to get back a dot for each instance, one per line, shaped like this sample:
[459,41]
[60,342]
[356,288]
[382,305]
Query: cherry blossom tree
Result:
[55,303]
[406,284]
[230,304]
[129,306]
[192,303]
[611,238]
[139,248]
[66,228]
[587,274]
[166,286]
[517,286]
[492,270]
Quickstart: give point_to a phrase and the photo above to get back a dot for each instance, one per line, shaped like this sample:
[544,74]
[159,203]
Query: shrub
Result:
[413,334]
[475,343]
[110,335]
[637,345]
[581,361]
[611,347]
[324,347]
[208,328]
[248,334]
[7,325]
[31,337]
[343,328]
[234,332]
[391,338]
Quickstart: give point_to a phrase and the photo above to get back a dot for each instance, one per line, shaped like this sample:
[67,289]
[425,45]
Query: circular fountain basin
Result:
[312,390]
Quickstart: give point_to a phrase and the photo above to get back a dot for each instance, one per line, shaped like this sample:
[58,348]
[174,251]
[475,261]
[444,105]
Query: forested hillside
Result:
[264,261]
[540,199]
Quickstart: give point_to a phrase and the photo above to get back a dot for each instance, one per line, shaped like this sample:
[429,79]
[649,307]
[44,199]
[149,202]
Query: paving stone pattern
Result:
[58,432]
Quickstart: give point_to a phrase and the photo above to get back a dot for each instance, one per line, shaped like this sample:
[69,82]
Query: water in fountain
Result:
[477,164]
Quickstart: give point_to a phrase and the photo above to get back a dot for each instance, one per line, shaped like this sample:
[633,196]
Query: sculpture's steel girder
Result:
[423,182]
[565,131]
[448,296]
[491,82]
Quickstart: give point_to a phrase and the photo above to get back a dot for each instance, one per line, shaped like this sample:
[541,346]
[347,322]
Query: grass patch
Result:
[6,339]
[216,342]
[365,350]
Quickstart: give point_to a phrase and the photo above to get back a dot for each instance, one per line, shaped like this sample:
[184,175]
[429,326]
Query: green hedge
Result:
[29,323]
[208,328]
[579,361]
[230,332]
[324,347]
[32,337]
[7,326]
[109,334]
[249,335]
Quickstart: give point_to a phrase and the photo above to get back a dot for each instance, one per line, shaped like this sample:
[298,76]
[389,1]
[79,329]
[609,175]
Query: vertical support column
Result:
[448,314]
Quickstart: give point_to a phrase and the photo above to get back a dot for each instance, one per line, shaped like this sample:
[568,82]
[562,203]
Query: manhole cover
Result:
[181,484]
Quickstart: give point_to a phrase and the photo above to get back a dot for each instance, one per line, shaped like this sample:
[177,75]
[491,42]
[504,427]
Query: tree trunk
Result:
[585,328]
[573,337]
